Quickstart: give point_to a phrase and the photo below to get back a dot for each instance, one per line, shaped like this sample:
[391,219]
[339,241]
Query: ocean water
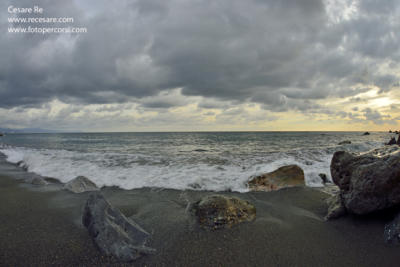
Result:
[215,161]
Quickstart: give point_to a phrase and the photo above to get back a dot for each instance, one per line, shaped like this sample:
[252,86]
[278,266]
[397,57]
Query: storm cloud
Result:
[284,55]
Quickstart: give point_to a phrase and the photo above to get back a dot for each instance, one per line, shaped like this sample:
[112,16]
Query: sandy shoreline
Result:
[40,226]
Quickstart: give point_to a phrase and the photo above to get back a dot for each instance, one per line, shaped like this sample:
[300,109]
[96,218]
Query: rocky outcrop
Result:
[113,233]
[336,208]
[81,184]
[391,142]
[346,142]
[368,182]
[218,211]
[286,176]
[392,231]
[366,133]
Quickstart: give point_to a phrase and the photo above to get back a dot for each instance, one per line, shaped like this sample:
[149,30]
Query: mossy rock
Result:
[218,211]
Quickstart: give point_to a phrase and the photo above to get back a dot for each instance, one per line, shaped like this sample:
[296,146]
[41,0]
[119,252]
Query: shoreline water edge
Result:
[46,221]
[199,161]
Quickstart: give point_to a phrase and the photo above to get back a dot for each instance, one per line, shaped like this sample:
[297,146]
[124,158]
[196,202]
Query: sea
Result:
[216,161]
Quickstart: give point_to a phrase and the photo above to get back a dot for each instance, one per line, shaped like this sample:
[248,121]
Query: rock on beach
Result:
[392,231]
[368,182]
[286,176]
[113,233]
[346,142]
[218,211]
[81,184]
[36,180]
[392,142]
[336,208]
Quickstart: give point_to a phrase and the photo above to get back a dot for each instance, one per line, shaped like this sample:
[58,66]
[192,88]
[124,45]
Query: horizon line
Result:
[216,131]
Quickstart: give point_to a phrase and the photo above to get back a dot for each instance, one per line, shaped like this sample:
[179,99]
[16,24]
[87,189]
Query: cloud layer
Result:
[280,55]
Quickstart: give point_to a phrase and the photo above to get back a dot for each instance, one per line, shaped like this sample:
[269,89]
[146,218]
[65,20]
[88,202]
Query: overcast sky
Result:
[189,65]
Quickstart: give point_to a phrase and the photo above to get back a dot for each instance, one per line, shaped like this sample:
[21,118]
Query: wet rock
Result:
[330,189]
[23,165]
[391,233]
[324,178]
[194,185]
[370,181]
[286,176]
[366,133]
[392,141]
[218,211]
[398,140]
[200,150]
[336,208]
[81,184]
[113,233]
[37,180]
[52,180]
[346,142]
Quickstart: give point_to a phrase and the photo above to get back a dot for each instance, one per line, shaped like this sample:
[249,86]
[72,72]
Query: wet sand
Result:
[40,225]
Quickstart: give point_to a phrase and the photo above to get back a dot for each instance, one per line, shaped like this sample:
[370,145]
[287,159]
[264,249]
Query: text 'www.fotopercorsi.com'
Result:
[31,20]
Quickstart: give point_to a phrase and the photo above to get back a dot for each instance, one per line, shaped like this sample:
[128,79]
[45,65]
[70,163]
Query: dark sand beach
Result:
[40,226]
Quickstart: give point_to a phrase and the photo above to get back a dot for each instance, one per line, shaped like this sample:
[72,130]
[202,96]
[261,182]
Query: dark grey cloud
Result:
[376,117]
[282,54]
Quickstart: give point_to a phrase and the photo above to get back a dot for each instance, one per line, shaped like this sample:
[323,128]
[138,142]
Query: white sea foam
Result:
[201,171]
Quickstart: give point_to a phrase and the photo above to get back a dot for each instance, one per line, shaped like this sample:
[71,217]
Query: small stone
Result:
[392,231]
[194,185]
[346,142]
[38,181]
[324,178]
[81,184]
[336,208]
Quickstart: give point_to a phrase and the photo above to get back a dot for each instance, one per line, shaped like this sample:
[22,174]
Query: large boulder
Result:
[218,211]
[113,233]
[81,184]
[286,176]
[368,182]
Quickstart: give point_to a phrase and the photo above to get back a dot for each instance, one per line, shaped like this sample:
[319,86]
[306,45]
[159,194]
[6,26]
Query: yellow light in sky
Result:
[381,102]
